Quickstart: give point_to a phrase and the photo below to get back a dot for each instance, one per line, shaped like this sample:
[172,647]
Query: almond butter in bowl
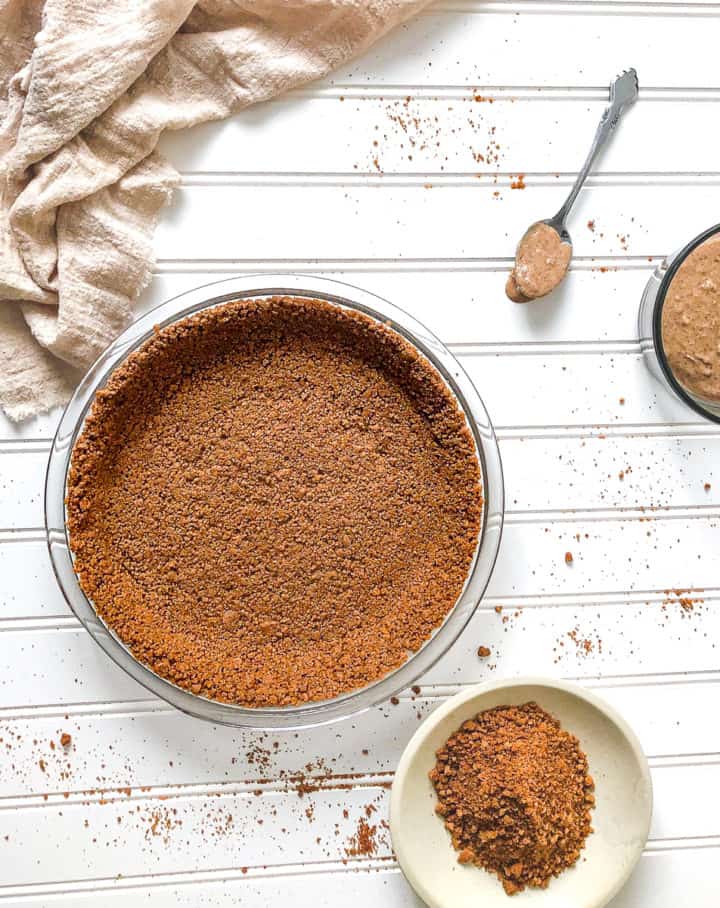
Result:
[274,501]
[691,321]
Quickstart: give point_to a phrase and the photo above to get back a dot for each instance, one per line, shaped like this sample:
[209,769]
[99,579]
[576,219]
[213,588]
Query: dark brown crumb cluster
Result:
[515,794]
[274,501]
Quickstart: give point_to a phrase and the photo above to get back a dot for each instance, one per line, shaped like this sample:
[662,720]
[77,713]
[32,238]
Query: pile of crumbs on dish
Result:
[515,793]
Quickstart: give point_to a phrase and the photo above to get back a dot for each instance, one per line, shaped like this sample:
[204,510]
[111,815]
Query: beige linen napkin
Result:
[86,88]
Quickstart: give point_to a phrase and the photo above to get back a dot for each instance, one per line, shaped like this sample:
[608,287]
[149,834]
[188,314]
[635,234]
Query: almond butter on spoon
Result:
[544,252]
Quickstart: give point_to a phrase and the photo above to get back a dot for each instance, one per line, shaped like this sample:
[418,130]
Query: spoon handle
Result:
[623,92]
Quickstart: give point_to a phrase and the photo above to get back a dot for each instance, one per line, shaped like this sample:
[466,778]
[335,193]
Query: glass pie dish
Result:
[650,328]
[254,287]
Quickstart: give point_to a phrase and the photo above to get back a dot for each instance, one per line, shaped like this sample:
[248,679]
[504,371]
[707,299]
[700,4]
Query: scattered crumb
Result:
[568,558]
[363,842]
[483,652]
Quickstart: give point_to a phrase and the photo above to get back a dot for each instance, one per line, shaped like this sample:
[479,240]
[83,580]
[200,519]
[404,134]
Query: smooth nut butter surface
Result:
[541,263]
[691,321]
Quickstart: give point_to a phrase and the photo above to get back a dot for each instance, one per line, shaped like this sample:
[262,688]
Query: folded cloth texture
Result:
[86,89]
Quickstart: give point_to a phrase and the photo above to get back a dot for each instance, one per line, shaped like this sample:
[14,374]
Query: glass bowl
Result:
[650,328]
[254,286]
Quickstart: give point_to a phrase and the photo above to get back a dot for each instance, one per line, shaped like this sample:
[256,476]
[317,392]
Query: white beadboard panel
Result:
[541,474]
[393,218]
[622,639]
[644,553]
[469,305]
[88,837]
[454,133]
[309,886]
[567,473]
[633,555]
[42,664]
[674,877]
[571,390]
[28,588]
[37,427]
[539,49]
[126,746]
[22,478]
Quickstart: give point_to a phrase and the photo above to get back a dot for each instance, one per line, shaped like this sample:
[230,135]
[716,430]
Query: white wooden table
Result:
[153,807]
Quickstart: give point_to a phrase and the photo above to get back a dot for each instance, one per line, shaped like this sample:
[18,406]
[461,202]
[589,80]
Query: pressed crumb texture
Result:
[274,501]
[515,792]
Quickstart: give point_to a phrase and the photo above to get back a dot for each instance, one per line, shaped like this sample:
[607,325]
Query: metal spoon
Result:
[623,92]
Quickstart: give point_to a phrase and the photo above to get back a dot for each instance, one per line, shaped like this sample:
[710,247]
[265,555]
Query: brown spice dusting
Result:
[274,501]
[519,182]
[483,652]
[65,739]
[515,793]
[680,597]
[568,558]
[363,842]
[584,645]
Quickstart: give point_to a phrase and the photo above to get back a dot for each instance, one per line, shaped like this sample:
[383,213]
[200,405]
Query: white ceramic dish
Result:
[621,818]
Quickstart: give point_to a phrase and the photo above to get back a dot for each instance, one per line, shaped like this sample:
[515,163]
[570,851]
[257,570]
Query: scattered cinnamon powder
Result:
[483,652]
[65,739]
[515,794]
[274,501]
[363,842]
[568,558]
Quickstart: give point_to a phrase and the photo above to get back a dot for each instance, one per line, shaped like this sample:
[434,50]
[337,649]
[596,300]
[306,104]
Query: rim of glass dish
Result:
[258,286]
[692,402]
